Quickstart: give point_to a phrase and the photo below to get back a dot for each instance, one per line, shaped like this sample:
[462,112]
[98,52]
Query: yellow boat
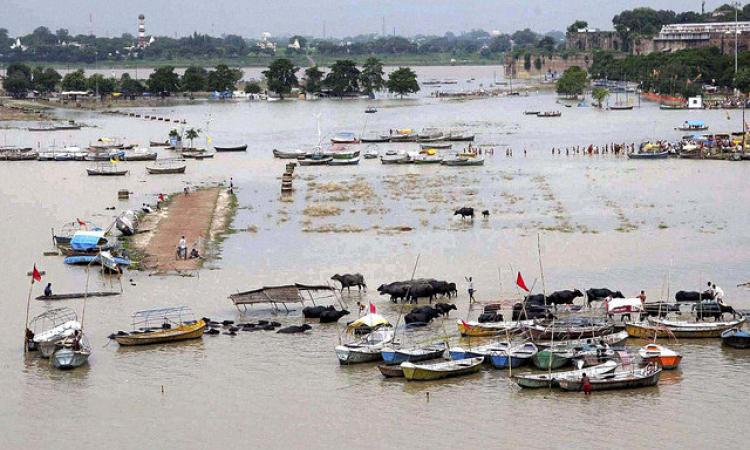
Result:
[680,330]
[487,329]
[180,333]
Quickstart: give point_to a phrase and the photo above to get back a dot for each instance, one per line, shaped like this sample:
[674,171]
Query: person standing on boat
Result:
[182,248]
[710,290]
[642,297]
[48,290]
[586,384]
[718,294]
[470,282]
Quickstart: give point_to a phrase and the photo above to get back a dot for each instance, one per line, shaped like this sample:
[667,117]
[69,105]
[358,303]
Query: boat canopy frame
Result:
[283,294]
[52,318]
[151,319]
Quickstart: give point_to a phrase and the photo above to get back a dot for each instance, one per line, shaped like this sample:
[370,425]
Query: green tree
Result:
[527,61]
[163,80]
[192,134]
[313,79]
[572,82]
[600,94]
[281,76]
[403,81]
[101,84]
[251,87]
[546,44]
[74,81]
[130,86]
[223,78]
[343,78]
[577,25]
[45,80]
[371,77]
[742,80]
[17,80]
[195,79]
[538,63]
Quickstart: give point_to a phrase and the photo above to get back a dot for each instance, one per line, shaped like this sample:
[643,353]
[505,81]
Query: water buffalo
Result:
[595,294]
[486,214]
[534,299]
[348,280]
[530,311]
[397,291]
[332,316]
[314,312]
[712,309]
[490,317]
[420,290]
[295,329]
[444,309]
[422,314]
[464,212]
[440,287]
[564,297]
[660,309]
[693,296]
[452,290]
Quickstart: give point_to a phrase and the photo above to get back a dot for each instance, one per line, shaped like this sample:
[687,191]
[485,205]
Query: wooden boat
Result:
[159,326]
[478,351]
[487,329]
[163,168]
[198,154]
[372,153]
[431,135]
[547,380]
[103,155]
[236,148]
[159,144]
[693,125]
[683,330]
[392,157]
[436,145]
[621,107]
[367,348]
[458,136]
[71,353]
[374,138]
[437,371]
[513,357]
[553,357]
[110,170]
[18,154]
[531,112]
[592,355]
[69,296]
[127,223]
[344,162]
[648,376]
[396,355]
[139,155]
[608,339]
[51,327]
[339,151]
[649,155]
[735,337]
[563,331]
[42,128]
[371,110]
[403,136]
[549,114]
[427,159]
[654,353]
[463,161]
[110,261]
[315,160]
[289,154]
[391,371]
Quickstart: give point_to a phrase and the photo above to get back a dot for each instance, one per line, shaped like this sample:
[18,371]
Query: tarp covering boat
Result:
[87,239]
[371,320]
[623,305]
[695,123]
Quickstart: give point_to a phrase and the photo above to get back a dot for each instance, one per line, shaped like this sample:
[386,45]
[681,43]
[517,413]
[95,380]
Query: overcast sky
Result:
[249,18]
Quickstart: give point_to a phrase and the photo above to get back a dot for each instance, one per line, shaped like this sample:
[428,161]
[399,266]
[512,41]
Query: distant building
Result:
[698,35]
[588,39]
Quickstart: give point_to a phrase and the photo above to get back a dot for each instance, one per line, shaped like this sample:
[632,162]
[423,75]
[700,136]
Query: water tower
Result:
[141,31]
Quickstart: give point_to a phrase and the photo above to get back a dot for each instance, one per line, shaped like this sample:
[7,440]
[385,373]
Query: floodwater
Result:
[600,221]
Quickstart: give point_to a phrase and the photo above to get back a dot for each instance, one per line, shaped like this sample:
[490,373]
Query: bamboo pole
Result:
[26,327]
[541,267]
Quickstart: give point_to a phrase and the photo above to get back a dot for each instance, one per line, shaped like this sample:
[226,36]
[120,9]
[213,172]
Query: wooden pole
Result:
[541,268]
[26,327]
[401,310]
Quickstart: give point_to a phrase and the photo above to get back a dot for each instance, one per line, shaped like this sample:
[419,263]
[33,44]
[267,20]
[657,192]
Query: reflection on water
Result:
[600,223]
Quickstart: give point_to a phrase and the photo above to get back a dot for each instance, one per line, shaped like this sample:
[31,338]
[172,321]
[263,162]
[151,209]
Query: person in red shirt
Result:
[586,384]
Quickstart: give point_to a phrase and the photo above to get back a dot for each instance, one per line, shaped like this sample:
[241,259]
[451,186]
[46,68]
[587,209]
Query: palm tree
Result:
[192,134]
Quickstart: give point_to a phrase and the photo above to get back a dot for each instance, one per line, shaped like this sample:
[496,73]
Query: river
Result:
[660,226]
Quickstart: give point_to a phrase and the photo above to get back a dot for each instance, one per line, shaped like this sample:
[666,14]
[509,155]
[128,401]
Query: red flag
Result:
[466,325]
[372,308]
[36,276]
[520,283]
[81,222]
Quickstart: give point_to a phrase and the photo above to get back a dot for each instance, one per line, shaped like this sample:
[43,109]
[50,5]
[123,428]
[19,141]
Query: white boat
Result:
[72,352]
[463,161]
[344,162]
[371,153]
[127,223]
[545,380]
[427,159]
[48,341]
[366,349]
[392,157]
[50,327]
[289,154]
[106,169]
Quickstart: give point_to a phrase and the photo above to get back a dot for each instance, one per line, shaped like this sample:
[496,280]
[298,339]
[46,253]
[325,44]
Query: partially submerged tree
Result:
[403,81]
[281,76]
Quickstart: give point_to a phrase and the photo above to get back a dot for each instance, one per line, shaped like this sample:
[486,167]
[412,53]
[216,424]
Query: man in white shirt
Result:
[718,294]
[470,282]
[182,248]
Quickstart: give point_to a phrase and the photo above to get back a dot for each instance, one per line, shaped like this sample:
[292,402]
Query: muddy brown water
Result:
[602,221]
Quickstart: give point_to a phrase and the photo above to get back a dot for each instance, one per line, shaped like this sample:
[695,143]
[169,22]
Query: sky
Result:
[250,18]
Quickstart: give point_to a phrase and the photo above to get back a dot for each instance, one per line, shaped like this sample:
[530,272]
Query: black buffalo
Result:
[348,280]
[486,214]
[421,314]
[314,312]
[693,296]
[397,291]
[564,297]
[444,309]
[659,309]
[295,329]
[417,291]
[464,212]
[530,311]
[490,317]
[595,294]
[712,309]
[332,316]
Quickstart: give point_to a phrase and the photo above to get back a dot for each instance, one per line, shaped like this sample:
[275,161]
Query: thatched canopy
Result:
[290,293]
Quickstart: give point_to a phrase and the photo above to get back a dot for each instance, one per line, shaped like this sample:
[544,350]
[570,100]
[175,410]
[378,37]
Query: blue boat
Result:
[87,240]
[736,338]
[482,351]
[95,259]
[516,356]
[398,355]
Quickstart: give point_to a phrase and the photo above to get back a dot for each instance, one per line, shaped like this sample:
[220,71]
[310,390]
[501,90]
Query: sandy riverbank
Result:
[201,216]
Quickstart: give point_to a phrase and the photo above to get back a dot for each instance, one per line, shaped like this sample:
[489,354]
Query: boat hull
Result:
[390,371]
[347,355]
[67,358]
[239,148]
[414,372]
[165,170]
[605,384]
[181,333]
[547,360]
[735,338]
[661,331]
[547,380]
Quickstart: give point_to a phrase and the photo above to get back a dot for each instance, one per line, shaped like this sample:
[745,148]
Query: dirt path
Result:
[192,216]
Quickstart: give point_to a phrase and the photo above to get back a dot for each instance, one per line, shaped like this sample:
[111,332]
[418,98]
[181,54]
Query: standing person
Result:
[231,185]
[48,290]
[642,297]
[586,384]
[182,248]
[710,291]
[718,294]
[470,282]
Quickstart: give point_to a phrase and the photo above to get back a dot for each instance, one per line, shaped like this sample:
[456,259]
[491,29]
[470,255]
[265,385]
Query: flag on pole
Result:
[520,283]
[36,276]
[81,222]
[372,308]
[467,327]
